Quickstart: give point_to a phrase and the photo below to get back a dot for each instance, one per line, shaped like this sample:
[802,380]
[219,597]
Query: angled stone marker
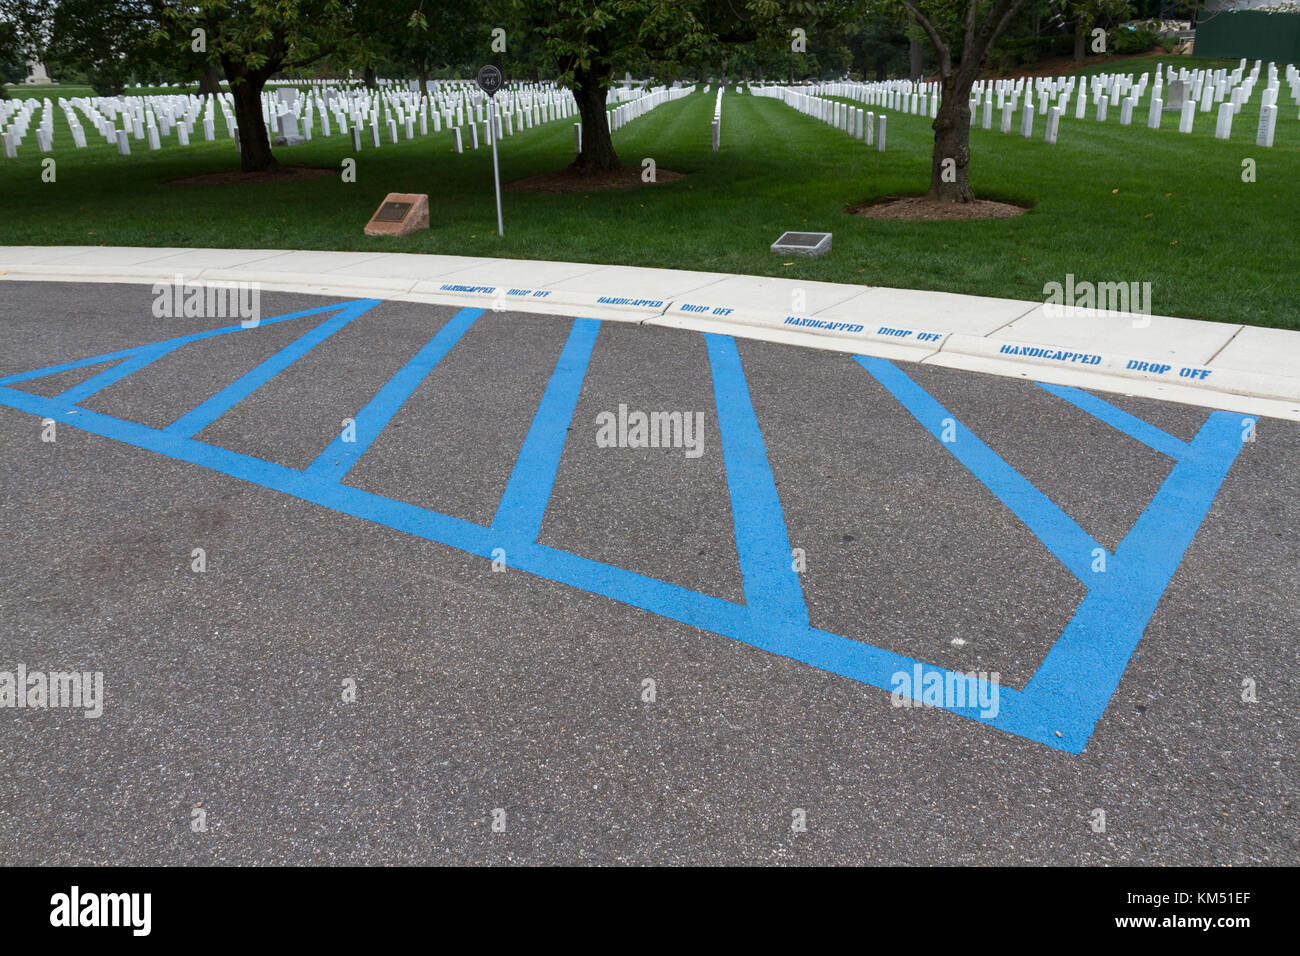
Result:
[400,214]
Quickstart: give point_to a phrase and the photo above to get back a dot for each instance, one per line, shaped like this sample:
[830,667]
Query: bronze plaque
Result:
[393,211]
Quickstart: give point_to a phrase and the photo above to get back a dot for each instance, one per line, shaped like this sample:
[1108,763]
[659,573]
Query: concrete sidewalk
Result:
[1239,368]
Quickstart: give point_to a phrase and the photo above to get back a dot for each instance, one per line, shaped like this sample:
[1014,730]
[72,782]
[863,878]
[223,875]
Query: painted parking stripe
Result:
[1082,670]
[169,344]
[339,456]
[209,411]
[1059,706]
[772,589]
[136,361]
[523,506]
[1059,533]
[1136,428]
[829,652]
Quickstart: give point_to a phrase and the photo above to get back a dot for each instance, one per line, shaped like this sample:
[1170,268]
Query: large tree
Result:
[246,41]
[962,33]
[588,39]
[1083,15]
[425,37]
[252,40]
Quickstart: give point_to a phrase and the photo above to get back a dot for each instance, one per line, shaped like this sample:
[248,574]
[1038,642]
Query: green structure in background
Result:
[1254,34]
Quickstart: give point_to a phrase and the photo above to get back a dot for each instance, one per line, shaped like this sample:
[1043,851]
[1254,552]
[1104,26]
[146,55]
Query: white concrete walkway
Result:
[1239,368]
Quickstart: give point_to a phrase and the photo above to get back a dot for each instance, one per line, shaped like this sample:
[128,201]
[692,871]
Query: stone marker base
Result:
[802,244]
[400,214]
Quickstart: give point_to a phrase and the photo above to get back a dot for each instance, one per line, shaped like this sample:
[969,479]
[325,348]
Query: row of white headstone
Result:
[286,112]
[858,123]
[363,114]
[643,103]
[1187,87]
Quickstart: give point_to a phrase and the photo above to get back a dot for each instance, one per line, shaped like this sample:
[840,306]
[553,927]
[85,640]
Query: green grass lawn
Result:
[1109,203]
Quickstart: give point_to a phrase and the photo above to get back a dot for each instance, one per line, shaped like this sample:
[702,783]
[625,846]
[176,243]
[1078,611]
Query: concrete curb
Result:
[1239,368]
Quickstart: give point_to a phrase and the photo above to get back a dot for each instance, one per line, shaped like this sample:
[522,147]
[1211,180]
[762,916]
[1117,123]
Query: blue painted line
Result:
[1058,708]
[1137,429]
[1079,675]
[523,506]
[1058,532]
[339,456]
[138,360]
[209,411]
[830,652]
[772,589]
[173,342]
[68,366]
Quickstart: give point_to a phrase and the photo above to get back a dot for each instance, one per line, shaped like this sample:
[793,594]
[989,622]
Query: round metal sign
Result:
[489,80]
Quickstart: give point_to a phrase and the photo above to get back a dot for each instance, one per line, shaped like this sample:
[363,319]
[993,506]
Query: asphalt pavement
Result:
[638,676]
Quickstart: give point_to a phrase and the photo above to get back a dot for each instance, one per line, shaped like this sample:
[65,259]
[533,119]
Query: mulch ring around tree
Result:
[918,208]
[237,177]
[572,180]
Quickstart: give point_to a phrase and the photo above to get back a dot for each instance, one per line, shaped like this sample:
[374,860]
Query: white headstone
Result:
[1223,128]
[1267,124]
[1053,124]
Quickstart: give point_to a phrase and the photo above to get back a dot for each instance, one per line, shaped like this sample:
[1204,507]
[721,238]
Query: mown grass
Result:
[1109,203]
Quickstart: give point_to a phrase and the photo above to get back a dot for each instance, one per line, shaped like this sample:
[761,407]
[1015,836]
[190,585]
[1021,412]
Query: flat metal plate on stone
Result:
[803,243]
[400,214]
[393,211]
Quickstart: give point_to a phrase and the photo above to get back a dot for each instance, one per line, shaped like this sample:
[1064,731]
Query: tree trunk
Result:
[210,81]
[950,181]
[590,87]
[254,147]
[370,78]
[915,59]
[1079,39]
[423,74]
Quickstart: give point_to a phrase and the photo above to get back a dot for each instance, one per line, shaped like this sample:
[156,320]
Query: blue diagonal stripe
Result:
[1120,420]
[170,343]
[772,589]
[205,414]
[339,456]
[1080,673]
[138,360]
[1058,532]
[528,491]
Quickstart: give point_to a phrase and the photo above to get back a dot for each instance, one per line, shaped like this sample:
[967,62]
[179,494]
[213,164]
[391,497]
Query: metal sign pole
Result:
[496,172]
